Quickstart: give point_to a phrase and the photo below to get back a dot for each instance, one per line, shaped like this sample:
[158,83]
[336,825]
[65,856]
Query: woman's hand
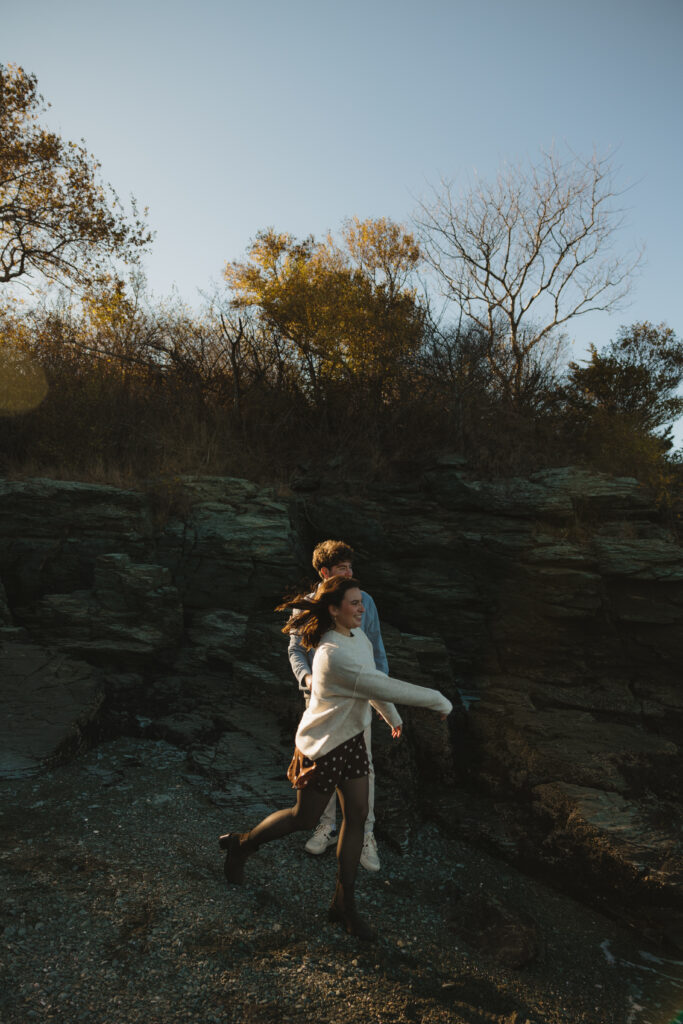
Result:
[396,731]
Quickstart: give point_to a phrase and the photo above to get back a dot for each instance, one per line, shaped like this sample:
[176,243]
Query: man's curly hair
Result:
[331,552]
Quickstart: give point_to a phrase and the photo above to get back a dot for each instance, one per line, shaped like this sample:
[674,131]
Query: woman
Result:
[330,752]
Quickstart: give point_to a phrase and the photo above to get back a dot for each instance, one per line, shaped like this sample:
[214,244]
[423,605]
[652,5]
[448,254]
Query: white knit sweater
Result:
[345,684]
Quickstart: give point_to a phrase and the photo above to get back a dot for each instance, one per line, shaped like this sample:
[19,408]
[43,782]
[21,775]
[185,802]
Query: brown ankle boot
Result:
[237,849]
[343,910]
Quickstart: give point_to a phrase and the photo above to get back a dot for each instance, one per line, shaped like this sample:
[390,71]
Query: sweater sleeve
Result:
[299,659]
[352,680]
[388,712]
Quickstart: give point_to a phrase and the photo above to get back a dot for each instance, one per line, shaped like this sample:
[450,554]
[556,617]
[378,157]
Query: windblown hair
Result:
[331,552]
[312,616]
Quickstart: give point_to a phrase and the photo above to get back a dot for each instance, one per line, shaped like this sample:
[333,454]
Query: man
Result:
[335,558]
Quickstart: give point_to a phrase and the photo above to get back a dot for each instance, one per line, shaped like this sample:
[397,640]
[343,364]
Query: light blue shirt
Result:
[301,660]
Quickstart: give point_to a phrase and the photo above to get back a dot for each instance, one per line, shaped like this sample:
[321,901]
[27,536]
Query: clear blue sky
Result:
[226,117]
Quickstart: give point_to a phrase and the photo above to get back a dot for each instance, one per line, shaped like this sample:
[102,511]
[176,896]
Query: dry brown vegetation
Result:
[129,393]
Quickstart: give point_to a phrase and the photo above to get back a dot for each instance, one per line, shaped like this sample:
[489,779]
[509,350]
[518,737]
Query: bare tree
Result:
[233,332]
[523,255]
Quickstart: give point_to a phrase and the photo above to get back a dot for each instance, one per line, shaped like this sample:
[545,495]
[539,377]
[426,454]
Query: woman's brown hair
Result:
[312,616]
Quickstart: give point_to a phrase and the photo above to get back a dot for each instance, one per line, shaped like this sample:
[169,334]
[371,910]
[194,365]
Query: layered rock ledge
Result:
[554,604]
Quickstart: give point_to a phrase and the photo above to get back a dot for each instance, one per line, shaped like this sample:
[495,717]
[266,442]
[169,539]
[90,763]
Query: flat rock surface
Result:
[46,701]
[116,910]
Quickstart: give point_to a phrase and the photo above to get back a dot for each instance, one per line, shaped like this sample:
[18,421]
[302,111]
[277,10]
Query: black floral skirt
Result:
[347,761]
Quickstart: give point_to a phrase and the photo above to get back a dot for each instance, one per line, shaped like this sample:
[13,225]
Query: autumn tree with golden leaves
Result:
[347,308]
[56,216]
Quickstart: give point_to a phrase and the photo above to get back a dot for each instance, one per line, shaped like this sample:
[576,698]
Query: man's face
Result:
[341,569]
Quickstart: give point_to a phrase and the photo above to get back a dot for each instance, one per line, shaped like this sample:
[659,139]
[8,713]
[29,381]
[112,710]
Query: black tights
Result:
[305,815]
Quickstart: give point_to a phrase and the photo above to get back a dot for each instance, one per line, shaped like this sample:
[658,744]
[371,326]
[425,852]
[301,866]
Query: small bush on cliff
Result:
[620,406]
[637,378]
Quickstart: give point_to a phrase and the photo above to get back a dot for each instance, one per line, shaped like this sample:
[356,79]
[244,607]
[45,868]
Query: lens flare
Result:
[23,384]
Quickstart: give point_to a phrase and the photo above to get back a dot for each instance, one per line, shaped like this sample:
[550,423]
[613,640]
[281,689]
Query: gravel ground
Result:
[116,912]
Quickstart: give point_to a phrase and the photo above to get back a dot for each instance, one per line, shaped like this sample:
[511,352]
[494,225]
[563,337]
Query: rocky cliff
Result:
[553,602]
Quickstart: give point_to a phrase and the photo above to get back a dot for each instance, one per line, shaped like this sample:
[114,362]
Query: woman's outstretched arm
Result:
[348,679]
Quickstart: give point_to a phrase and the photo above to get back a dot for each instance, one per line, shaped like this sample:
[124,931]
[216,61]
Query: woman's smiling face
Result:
[349,613]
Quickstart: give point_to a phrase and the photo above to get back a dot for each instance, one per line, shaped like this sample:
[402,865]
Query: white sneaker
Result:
[369,858]
[324,836]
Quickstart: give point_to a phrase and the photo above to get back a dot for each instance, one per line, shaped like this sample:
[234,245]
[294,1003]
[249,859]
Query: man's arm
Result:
[300,660]
[373,633]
